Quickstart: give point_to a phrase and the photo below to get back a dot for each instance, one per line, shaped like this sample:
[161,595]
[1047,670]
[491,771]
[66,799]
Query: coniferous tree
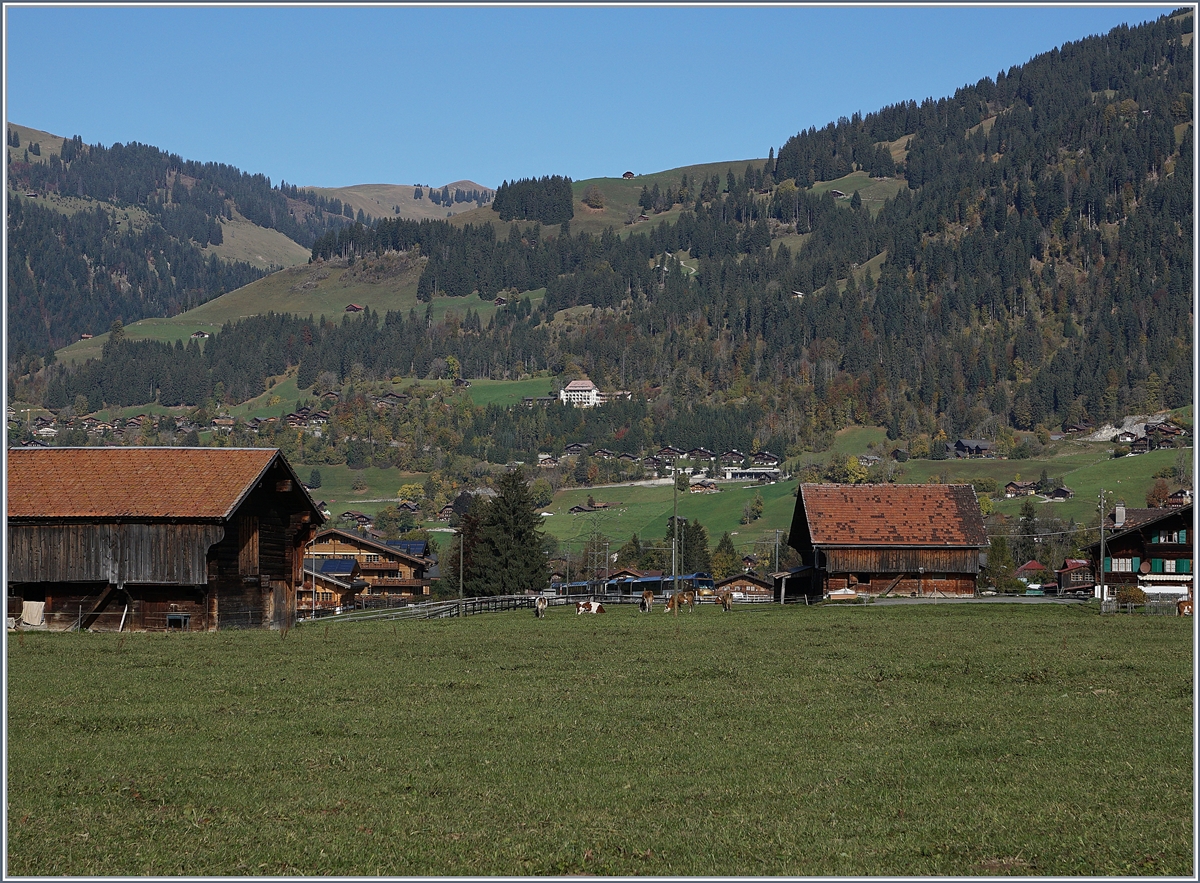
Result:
[725,559]
[507,558]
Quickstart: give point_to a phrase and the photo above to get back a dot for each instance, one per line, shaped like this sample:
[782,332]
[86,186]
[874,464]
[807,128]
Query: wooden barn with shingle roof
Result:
[898,539]
[156,538]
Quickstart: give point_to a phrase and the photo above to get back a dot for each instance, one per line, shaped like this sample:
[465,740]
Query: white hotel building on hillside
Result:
[584,394]
[581,394]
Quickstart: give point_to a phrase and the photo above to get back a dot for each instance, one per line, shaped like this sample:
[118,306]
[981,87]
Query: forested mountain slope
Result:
[130,231]
[1037,269]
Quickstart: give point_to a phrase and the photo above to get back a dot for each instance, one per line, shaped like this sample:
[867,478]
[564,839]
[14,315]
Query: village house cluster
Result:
[732,465]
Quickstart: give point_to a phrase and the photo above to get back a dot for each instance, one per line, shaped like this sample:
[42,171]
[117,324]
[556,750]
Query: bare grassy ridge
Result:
[920,740]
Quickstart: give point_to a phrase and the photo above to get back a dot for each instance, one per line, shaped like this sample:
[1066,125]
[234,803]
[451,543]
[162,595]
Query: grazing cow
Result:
[725,599]
[674,602]
[588,607]
[647,602]
[539,609]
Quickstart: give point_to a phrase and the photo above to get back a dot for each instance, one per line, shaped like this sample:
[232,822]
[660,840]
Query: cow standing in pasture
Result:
[674,602]
[725,599]
[588,607]
[647,602]
[539,607]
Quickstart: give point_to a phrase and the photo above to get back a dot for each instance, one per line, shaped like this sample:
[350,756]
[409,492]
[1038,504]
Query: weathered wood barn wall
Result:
[157,538]
[890,538]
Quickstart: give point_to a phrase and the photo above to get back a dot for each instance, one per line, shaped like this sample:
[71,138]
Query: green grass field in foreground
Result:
[872,740]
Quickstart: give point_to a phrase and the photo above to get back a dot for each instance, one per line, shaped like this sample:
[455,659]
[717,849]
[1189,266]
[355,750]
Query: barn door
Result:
[248,545]
[283,606]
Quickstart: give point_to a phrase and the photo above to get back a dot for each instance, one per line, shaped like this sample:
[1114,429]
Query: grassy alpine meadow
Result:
[967,738]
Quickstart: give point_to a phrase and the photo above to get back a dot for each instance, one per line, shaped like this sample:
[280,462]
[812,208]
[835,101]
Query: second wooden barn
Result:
[155,538]
[889,539]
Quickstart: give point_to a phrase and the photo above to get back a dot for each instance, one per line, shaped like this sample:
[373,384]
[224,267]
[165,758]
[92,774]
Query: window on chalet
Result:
[1122,565]
[372,559]
[1169,536]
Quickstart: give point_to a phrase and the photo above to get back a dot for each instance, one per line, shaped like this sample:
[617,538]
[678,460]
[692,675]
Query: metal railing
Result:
[488,604]
[1149,608]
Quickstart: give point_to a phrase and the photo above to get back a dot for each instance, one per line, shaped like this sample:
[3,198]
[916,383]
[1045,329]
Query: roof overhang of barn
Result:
[140,484]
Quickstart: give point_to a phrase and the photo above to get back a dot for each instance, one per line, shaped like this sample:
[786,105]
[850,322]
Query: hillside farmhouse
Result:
[195,539]
[1151,549]
[882,539]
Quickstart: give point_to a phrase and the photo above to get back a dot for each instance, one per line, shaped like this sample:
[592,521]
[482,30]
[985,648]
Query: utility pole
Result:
[674,527]
[1103,587]
[460,572]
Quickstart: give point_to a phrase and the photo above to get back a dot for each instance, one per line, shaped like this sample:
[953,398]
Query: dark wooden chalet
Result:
[330,585]
[156,538]
[1151,549]
[1075,576]
[387,567]
[889,538]
[744,585]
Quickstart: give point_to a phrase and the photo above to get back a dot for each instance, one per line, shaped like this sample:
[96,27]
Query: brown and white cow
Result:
[647,602]
[539,608]
[674,602]
[588,607]
[725,599]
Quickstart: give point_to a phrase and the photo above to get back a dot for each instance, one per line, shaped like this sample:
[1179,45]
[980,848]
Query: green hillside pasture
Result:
[874,192]
[1123,478]
[645,510]
[323,288]
[794,242]
[381,200]
[50,144]
[823,741]
[620,199]
[508,392]
[129,217]
[856,439]
[872,266]
[337,487]
[1086,467]
[898,148]
[168,330]
[258,246]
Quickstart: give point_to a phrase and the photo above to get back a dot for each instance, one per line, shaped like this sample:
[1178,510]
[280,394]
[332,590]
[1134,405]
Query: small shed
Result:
[195,539]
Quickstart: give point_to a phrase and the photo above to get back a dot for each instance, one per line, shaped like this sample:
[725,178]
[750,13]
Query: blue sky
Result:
[334,96]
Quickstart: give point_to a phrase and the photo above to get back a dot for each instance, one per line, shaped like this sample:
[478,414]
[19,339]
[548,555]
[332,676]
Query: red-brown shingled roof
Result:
[131,482]
[893,515]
